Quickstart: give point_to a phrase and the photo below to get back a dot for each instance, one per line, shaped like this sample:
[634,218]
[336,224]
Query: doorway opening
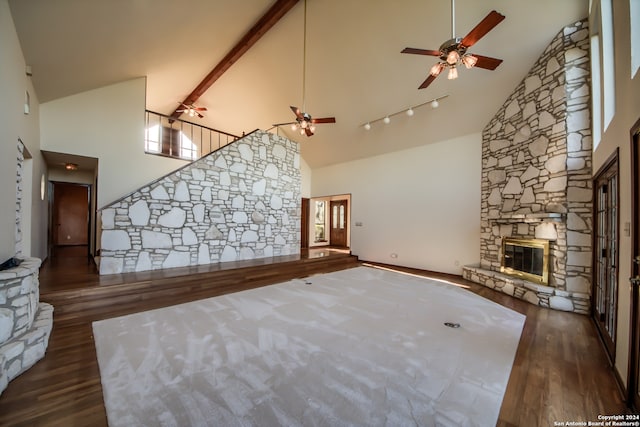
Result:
[82,172]
[330,217]
[70,214]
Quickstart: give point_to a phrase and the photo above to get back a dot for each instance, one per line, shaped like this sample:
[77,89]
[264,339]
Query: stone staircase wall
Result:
[240,202]
[537,160]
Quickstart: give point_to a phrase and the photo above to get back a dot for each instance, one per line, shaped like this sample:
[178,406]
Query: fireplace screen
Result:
[526,258]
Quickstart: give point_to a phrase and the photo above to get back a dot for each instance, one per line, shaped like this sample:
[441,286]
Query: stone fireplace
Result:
[536,178]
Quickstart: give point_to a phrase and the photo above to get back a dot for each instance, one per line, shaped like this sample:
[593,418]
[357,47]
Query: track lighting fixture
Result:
[408,111]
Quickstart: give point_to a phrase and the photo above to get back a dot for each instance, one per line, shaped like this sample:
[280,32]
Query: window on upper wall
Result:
[602,67]
[596,98]
[165,140]
[634,24]
[608,63]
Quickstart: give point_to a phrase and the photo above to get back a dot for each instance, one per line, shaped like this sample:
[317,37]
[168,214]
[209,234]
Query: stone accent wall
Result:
[536,175]
[240,202]
[19,171]
[25,323]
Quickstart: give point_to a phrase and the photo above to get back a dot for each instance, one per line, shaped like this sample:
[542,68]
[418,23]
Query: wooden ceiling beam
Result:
[268,20]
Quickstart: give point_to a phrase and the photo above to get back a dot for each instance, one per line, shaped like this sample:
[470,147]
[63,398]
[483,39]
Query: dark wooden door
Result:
[70,214]
[634,354]
[605,254]
[304,223]
[339,224]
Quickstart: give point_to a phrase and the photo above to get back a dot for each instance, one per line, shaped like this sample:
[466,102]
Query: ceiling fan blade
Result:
[283,124]
[324,120]
[199,115]
[486,25]
[416,51]
[487,62]
[427,82]
[308,131]
[200,108]
[297,112]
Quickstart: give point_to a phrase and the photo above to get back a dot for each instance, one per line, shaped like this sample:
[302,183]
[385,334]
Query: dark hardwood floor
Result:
[560,372]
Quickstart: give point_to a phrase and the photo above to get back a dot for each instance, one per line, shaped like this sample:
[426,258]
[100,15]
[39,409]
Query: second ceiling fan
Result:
[191,110]
[453,52]
[304,122]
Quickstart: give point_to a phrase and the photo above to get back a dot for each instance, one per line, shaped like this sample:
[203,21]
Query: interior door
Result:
[605,254]
[634,356]
[304,223]
[338,234]
[70,214]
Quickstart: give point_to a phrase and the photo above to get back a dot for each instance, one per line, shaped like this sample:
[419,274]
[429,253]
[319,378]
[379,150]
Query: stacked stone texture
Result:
[240,202]
[25,323]
[19,172]
[537,160]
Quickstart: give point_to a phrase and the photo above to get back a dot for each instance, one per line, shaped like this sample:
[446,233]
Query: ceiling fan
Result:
[191,110]
[304,122]
[453,52]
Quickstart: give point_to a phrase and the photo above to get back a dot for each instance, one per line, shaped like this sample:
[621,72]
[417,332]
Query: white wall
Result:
[106,123]
[15,124]
[75,177]
[422,204]
[305,174]
[617,136]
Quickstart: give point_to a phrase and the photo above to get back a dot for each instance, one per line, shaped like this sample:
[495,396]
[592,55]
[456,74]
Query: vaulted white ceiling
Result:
[354,68]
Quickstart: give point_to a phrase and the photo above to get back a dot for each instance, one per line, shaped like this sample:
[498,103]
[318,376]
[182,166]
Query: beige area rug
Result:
[359,347]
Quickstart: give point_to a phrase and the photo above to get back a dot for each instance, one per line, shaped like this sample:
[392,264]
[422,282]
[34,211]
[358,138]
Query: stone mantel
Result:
[529,218]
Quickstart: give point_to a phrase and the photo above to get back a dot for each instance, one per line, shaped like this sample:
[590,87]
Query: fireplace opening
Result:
[526,258]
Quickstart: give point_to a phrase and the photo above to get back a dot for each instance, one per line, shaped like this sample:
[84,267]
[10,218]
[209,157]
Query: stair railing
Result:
[180,139]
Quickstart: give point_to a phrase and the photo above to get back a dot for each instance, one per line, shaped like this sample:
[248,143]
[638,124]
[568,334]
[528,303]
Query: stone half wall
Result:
[240,202]
[536,175]
[25,322]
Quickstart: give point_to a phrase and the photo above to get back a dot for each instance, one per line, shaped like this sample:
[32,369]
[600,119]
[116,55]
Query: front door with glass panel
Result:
[338,213]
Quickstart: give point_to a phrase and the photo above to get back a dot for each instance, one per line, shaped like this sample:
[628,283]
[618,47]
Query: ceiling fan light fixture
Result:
[437,69]
[453,52]
[453,57]
[294,126]
[469,60]
[312,128]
